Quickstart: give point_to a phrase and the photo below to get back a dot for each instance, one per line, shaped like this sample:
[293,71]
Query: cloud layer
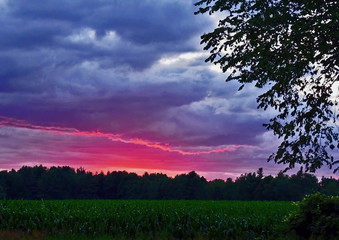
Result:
[121,85]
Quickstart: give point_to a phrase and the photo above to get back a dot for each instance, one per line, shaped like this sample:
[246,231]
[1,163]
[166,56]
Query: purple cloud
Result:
[122,67]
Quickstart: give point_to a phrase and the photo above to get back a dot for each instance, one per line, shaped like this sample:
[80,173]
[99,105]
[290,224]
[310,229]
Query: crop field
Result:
[138,219]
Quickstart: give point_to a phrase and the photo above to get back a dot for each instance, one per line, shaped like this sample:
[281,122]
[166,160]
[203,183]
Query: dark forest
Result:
[40,182]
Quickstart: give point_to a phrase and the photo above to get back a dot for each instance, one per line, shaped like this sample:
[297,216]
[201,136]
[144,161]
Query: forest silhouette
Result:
[40,182]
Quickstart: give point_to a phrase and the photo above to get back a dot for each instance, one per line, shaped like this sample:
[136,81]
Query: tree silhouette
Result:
[292,49]
[66,183]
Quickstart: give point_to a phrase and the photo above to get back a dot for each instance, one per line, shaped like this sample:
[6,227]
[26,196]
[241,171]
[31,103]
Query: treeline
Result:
[67,183]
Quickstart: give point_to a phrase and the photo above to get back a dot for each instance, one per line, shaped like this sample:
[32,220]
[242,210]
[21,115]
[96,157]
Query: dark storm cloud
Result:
[137,21]
[15,76]
[209,129]
[123,67]
[26,35]
[174,112]
[140,104]
[146,29]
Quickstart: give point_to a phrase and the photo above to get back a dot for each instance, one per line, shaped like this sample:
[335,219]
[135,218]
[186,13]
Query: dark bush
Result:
[316,218]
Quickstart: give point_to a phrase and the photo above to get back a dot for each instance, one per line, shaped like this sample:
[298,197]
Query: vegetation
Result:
[132,219]
[316,218]
[66,183]
[154,219]
[291,50]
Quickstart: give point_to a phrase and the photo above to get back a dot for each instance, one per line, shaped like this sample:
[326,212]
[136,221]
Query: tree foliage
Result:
[66,183]
[316,218]
[290,48]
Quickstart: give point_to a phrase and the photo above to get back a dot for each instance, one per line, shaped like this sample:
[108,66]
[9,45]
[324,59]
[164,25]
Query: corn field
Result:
[137,219]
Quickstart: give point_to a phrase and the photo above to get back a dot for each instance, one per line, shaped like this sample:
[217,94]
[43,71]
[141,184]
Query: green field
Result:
[137,219]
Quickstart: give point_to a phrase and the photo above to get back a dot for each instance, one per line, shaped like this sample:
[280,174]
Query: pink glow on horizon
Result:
[98,151]
[26,144]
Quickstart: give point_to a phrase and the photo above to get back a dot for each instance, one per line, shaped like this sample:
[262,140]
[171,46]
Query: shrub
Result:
[316,218]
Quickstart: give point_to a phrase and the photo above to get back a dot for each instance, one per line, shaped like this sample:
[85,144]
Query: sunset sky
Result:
[122,85]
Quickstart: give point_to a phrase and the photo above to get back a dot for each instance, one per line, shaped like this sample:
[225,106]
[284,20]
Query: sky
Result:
[111,85]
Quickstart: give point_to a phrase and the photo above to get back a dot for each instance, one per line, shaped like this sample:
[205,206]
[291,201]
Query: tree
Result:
[329,186]
[290,48]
